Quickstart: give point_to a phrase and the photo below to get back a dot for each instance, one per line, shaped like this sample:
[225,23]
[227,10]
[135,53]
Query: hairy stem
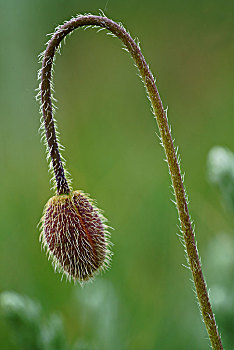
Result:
[161,117]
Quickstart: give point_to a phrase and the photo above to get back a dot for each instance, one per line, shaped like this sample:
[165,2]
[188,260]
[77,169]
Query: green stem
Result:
[160,114]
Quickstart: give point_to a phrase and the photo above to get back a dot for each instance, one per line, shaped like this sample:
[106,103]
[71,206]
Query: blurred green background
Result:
[113,154]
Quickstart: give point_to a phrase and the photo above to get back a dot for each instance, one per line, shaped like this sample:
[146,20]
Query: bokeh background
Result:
[146,300]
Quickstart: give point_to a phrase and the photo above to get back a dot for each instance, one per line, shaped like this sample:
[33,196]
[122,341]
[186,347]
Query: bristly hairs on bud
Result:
[73,231]
[75,236]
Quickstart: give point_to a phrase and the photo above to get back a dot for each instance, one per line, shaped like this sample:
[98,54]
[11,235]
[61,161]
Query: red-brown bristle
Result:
[74,234]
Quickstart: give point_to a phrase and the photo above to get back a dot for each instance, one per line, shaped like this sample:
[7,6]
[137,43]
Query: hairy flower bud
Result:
[75,236]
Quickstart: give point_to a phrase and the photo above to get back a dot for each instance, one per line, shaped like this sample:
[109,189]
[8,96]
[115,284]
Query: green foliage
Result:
[221,172]
[220,263]
[97,305]
[29,329]
[220,253]
[52,334]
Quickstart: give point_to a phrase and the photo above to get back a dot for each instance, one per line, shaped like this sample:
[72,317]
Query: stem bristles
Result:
[165,135]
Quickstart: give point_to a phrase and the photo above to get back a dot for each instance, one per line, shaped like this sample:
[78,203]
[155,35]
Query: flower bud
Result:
[75,236]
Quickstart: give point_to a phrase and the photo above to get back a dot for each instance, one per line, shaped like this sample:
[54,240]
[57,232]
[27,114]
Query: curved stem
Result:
[50,132]
[161,117]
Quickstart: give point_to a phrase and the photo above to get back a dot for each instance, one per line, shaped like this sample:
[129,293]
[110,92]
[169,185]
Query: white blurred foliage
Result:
[221,172]
[28,327]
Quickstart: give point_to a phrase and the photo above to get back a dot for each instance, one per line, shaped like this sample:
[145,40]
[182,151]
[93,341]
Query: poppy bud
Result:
[75,236]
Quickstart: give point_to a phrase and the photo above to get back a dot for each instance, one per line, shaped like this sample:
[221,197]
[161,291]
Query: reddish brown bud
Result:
[75,236]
